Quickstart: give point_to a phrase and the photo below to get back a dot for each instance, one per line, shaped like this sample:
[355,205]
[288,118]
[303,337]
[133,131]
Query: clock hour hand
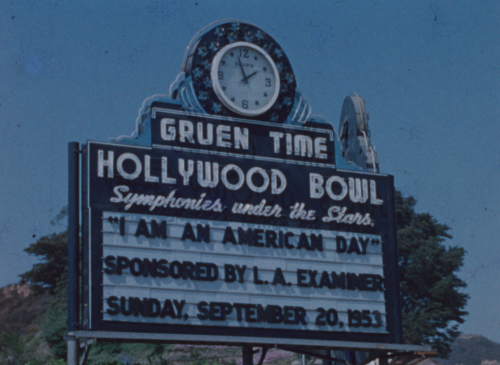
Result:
[242,71]
[245,79]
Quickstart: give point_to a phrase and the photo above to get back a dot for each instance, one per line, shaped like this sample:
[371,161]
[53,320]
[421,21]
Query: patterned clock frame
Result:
[199,63]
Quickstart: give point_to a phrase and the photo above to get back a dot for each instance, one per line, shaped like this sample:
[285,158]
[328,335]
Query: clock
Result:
[235,69]
[245,78]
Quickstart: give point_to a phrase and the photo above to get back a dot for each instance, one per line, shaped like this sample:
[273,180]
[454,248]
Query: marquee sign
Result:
[227,225]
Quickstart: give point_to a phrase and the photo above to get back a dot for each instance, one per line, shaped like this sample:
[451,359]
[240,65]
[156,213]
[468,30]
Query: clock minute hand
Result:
[242,71]
[245,79]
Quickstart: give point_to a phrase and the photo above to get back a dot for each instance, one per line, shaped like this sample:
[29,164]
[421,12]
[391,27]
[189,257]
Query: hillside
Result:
[473,350]
[18,311]
[23,317]
[20,317]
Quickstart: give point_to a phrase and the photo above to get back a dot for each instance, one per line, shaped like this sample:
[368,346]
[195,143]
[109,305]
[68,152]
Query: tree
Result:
[55,326]
[51,275]
[53,253]
[52,250]
[432,300]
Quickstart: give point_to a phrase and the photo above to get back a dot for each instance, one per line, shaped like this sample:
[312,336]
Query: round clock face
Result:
[245,78]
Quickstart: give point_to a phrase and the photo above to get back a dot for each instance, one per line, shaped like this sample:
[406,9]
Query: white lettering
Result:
[225,181]
[205,179]
[276,176]
[303,145]
[118,192]
[164,173]
[223,137]
[316,190]
[276,137]
[262,173]
[186,131]
[320,147]
[170,199]
[338,214]
[186,174]
[137,162]
[170,136]
[158,201]
[356,193]
[241,138]
[288,144]
[210,134]
[343,185]
[154,201]
[298,212]
[101,162]
[373,194]
[147,170]
[259,210]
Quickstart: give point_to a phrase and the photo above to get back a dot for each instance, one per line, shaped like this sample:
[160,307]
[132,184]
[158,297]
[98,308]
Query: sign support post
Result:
[247,355]
[73,240]
[73,355]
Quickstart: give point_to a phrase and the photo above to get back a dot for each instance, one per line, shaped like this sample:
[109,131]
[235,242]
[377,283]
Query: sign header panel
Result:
[217,135]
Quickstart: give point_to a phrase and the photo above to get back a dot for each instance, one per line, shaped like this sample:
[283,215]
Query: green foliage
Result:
[55,362]
[60,218]
[155,356]
[432,300]
[49,362]
[54,326]
[19,349]
[52,250]
[12,348]
[50,276]
[109,353]
[196,357]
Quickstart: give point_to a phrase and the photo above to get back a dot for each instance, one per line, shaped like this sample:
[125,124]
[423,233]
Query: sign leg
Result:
[351,357]
[247,355]
[72,351]
[325,361]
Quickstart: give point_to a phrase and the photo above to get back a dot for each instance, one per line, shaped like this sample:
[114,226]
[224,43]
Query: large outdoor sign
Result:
[228,226]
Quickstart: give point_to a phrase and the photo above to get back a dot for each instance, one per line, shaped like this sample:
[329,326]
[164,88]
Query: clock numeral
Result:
[244,53]
[244,104]
[221,75]
[268,82]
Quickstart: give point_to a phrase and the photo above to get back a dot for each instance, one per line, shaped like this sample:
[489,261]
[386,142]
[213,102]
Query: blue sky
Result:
[428,71]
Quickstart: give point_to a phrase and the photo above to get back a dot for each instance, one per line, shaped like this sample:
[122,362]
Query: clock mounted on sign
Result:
[235,69]
[245,79]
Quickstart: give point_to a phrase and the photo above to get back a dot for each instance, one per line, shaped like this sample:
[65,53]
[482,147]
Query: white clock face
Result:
[245,78]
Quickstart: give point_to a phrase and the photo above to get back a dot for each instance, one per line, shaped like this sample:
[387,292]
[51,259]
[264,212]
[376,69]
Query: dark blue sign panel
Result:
[233,228]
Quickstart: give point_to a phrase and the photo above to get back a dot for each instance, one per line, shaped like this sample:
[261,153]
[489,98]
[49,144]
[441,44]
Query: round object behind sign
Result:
[354,134]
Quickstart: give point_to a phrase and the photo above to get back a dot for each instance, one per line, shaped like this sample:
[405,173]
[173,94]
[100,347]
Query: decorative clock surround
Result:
[261,86]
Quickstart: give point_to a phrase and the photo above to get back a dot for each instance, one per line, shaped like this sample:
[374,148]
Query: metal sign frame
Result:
[92,218]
